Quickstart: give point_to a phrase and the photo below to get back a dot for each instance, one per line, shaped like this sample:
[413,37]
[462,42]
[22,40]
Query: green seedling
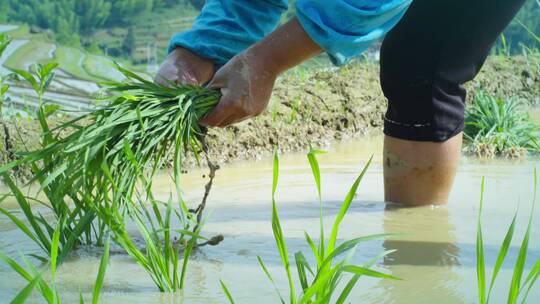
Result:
[73,208]
[49,291]
[519,287]
[320,283]
[164,245]
[152,119]
[495,127]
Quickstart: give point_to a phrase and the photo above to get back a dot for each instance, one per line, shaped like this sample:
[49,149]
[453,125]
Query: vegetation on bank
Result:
[494,127]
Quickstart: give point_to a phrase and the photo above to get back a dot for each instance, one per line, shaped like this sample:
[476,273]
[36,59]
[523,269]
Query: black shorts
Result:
[426,58]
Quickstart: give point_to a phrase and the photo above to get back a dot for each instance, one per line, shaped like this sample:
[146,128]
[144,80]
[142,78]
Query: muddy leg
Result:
[420,173]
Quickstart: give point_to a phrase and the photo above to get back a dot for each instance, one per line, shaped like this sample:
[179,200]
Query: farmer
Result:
[430,48]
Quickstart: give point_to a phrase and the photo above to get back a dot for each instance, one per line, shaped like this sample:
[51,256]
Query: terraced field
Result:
[75,80]
[31,52]
[75,62]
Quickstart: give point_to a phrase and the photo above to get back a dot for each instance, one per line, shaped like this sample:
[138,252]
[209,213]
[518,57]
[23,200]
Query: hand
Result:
[184,67]
[246,85]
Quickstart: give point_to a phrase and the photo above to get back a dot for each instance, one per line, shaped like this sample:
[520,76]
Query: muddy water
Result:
[435,258]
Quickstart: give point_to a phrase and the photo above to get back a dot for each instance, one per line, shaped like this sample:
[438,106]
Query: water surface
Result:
[435,258]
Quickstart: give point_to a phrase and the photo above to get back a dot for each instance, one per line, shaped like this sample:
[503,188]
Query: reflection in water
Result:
[429,243]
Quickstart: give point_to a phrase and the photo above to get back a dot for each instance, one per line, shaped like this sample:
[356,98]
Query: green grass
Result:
[164,244]
[319,283]
[494,126]
[520,286]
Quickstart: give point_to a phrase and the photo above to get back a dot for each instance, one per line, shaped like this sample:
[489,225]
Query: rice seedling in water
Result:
[519,289]
[153,120]
[147,120]
[72,208]
[48,291]
[497,127]
[320,282]
[164,245]
[98,166]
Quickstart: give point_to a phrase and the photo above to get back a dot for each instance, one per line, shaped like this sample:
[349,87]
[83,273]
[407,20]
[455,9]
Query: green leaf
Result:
[502,254]
[515,285]
[101,273]
[345,207]
[54,250]
[275,173]
[50,109]
[226,291]
[480,264]
[312,158]
[278,231]
[301,266]
[367,272]
[23,295]
[28,77]
[270,278]
[314,164]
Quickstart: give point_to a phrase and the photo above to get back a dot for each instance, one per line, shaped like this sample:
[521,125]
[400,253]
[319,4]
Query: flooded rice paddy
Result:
[435,257]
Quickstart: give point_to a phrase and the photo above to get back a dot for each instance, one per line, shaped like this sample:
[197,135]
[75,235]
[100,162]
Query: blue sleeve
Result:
[227,27]
[346,28]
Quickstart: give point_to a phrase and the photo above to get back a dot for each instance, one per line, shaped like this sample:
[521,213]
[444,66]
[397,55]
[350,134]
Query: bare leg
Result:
[420,173]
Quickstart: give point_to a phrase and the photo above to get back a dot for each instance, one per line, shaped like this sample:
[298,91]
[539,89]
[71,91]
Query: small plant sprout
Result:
[319,283]
[49,291]
[72,207]
[163,243]
[520,286]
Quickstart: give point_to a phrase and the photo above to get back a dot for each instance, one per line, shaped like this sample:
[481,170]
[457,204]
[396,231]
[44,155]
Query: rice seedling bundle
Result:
[138,127]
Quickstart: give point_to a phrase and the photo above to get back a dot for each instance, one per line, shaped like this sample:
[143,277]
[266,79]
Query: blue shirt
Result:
[343,28]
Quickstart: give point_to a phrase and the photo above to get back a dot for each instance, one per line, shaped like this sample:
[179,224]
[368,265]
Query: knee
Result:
[421,106]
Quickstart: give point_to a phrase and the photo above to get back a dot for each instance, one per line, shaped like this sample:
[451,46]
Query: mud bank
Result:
[320,107]
[314,108]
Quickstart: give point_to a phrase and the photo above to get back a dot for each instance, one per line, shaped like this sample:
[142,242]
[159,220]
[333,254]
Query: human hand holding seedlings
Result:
[247,80]
[246,86]
[184,67]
